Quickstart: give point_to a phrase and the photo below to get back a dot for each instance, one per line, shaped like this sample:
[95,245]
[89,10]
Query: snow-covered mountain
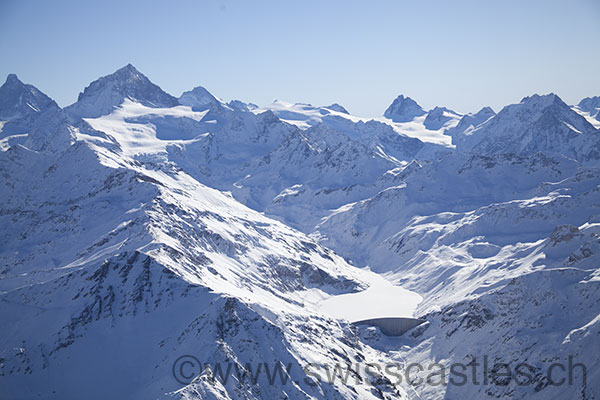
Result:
[306,115]
[21,101]
[141,227]
[403,109]
[20,106]
[200,99]
[438,117]
[102,95]
[469,122]
[590,109]
[537,123]
[28,116]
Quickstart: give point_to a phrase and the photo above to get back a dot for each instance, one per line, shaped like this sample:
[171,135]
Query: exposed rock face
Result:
[403,109]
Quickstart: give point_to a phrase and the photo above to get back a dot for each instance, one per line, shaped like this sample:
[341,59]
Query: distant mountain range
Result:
[140,227]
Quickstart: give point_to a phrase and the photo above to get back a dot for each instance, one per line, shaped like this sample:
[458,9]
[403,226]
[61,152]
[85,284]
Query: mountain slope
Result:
[141,260]
[503,249]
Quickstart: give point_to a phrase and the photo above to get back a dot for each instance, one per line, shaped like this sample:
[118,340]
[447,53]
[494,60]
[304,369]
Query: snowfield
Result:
[381,299]
[140,228]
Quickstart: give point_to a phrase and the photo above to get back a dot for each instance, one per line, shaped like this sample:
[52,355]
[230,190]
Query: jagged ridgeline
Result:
[140,228]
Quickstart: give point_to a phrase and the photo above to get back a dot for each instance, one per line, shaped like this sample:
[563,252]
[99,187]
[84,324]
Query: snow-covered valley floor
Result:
[381,299]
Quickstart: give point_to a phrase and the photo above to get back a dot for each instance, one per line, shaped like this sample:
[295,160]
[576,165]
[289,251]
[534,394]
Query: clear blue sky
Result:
[462,54]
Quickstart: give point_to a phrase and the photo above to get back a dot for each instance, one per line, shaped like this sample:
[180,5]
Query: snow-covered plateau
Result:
[141,229]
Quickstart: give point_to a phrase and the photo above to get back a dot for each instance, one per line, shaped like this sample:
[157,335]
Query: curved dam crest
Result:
[392,326]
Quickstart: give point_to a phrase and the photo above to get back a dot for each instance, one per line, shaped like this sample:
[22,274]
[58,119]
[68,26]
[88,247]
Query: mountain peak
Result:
[438,116]
[128,71]
[239,105]
[403,109]
[539,123]
[12,78]
[439,110]
[109,91]
[535,108]
[487,110]
[14,83]
[18,99]
[199,98]
[542,101]
[594,99]
[337,107]
[590,105]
